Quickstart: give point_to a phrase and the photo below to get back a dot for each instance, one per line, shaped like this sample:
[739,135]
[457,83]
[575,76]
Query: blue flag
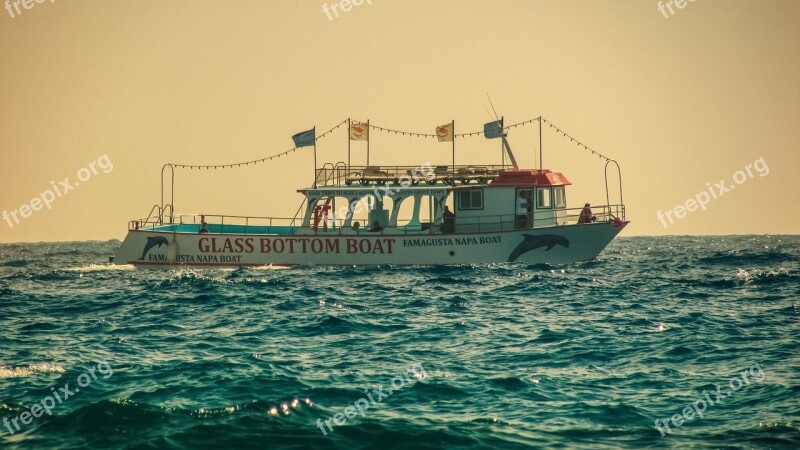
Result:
[493,129]
[305,138]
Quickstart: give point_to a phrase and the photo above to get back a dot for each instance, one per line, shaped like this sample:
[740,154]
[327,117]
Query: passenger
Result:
[586,215]
[522,211]
[203,225]
[356,226]
[376,226]
[448,220]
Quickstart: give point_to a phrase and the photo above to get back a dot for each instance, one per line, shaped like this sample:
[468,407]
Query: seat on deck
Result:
[375,172]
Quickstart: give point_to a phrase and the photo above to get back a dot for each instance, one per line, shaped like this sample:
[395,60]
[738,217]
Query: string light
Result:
[580,144]
[247,163]
[389,130]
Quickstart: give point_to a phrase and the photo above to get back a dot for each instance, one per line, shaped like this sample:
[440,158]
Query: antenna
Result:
[490,102]
[487,112]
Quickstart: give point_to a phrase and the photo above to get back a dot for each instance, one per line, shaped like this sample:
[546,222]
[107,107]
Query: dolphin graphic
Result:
[532,242]
[154,241]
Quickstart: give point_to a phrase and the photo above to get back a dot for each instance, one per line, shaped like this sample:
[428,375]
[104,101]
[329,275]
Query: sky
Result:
[697,105]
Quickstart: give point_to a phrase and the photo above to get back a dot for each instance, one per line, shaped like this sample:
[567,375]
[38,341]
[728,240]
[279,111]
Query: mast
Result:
[349,130]
[541,167]
[453,130]
[315,157]
[508,147]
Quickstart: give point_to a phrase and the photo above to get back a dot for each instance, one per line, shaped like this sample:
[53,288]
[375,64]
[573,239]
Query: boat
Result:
[351,215]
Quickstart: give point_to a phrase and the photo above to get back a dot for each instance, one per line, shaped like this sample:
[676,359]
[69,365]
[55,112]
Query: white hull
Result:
[551,245]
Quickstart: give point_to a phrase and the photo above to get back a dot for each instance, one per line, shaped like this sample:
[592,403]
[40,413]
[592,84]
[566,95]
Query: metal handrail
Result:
[158,215]
[294,219]
[336,174]
[154,219]
[619,173]
[171,190]
[603,213]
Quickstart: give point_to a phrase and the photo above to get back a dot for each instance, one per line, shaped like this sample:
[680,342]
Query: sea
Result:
[660,342]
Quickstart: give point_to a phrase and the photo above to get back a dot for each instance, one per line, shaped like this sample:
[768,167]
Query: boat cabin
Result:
[504,200]
[515,199]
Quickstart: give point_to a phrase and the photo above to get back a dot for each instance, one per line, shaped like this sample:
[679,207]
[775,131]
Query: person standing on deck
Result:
[448,220]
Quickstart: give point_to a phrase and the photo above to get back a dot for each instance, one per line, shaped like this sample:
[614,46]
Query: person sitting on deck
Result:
[586,215]
[356,226]
[376,226]
[448,220]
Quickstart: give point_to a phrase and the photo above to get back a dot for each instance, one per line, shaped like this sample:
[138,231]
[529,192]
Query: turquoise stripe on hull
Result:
[225,229]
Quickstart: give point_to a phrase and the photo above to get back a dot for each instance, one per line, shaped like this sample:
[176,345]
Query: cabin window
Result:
[559,198]
[470,199]
[543,198]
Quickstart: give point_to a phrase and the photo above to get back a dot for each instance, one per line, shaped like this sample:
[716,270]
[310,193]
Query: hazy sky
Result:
[680,101]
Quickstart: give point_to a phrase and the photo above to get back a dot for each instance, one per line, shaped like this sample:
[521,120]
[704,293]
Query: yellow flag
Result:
[359,132]
[445,132]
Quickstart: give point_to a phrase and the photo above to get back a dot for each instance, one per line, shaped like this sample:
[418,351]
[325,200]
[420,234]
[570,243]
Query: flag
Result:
[304,139]
[445,132]
[359,132]
[493,130]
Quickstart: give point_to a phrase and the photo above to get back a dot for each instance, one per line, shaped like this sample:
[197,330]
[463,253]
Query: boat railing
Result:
[330,174]
[153,219]
[245,221]
[540,219]
[340,173]
[601,213]
[284,225]
[239,224]
[298,215]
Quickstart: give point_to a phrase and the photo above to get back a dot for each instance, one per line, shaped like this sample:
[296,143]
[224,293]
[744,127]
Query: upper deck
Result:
[341,174]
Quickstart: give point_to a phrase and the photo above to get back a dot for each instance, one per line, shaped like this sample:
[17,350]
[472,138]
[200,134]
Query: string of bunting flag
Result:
[507,127]
[309,138]
[427,135]
[580,144]
[256,161]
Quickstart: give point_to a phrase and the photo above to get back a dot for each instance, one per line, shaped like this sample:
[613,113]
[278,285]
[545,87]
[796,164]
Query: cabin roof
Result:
[530,177]
[348,191]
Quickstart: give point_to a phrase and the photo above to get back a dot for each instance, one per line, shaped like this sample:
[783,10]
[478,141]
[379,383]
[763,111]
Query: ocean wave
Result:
[15,263]
[29,370]
[510,383]
[100,268]
[433,391]
[745,257]
[331,324]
